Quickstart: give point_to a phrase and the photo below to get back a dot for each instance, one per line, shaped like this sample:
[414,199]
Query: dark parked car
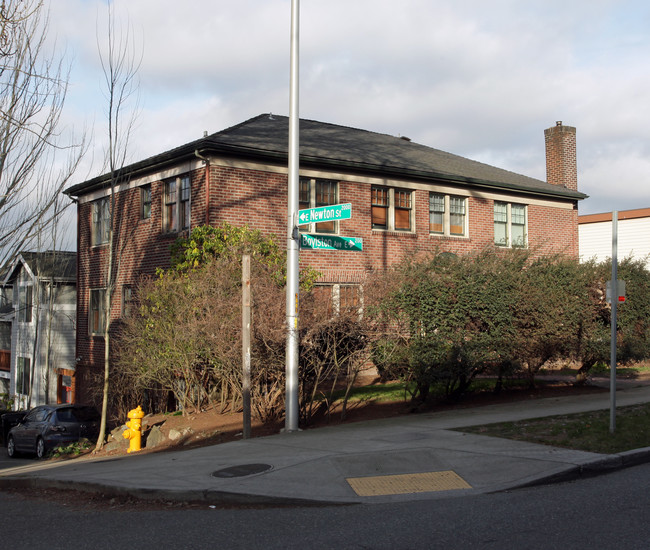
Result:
[49,426]
[9,419]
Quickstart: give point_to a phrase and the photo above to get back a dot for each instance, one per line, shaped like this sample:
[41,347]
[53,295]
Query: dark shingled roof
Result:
[59,265]
[265,137]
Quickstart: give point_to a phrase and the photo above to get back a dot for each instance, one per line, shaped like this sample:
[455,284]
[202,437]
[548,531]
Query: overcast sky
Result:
[475,78]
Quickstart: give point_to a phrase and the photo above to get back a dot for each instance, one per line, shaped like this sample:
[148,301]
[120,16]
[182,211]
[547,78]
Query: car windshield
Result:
[78,414]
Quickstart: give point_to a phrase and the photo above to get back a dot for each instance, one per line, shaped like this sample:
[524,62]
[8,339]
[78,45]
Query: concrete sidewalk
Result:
[405,458]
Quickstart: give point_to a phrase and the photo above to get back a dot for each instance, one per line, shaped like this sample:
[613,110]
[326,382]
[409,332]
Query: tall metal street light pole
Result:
[293,274]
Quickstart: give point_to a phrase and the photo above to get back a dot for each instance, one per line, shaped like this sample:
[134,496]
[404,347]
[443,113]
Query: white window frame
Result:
[336,297]
[25,306]
[23,373]
[145,202]
[447,215]
[183,206]
[508,224]
[127,300]
[313,203]
[96,329]
[391,208]
[101,221]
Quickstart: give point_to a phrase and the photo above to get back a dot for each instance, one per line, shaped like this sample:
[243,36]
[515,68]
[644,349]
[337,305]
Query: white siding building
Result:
[41,317]
[595,235]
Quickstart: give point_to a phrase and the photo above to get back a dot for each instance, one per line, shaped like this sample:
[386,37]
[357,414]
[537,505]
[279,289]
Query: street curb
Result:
[207,496]
[599,466]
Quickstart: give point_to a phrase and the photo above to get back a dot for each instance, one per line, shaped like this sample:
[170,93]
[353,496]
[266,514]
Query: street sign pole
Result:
[293,275]
[614,293]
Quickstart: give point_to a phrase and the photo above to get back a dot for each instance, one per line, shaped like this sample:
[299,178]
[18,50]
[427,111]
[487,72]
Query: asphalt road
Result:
[608,511]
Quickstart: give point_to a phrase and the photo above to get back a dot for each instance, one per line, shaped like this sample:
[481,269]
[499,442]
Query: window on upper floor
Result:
[447,215]
[391,208]
[145,202]
[101,221]
[510,223]
[314,193]
[25,303]
[176,204]
[96,315]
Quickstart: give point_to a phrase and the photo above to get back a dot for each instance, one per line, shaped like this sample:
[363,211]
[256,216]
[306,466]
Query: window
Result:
[22,375]
[145,202]
[391,209]
[64,389]
[127,300]
[510,225]
[101,221]
[349,298]
[25,303]
[447,214]
[340,299]
[176,207]
[313,193]
[97,311]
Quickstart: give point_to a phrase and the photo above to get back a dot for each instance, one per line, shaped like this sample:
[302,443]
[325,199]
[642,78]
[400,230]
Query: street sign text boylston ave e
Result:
[330,242]
[330,213]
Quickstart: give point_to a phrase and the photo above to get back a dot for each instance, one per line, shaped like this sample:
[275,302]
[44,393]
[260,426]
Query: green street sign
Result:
[330,242]
[334,212]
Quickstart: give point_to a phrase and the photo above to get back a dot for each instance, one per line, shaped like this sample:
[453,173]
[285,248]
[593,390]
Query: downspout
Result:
[206,161]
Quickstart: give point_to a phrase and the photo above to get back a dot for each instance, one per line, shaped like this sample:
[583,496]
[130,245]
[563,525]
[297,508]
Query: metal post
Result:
[614,297]
[291,396]
[246,342]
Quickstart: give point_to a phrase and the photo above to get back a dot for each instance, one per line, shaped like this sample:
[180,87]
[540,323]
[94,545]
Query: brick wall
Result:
[259,198]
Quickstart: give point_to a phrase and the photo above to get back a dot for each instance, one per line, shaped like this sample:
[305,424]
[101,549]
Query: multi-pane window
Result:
[510,224]
[23,365]
[342,299]
[25,303]
[402,210]
[391,208]
[127,300]
[96,317]
[313,193]
[447,214]
[176,205]
[101,221]
[145,202]
[379,207]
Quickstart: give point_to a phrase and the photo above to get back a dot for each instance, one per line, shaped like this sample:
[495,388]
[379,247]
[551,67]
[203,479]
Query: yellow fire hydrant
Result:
[134,432]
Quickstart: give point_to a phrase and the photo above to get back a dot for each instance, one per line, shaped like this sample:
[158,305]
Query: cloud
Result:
[477,79]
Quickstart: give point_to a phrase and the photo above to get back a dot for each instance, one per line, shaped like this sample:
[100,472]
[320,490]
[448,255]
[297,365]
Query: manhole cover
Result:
[242,470]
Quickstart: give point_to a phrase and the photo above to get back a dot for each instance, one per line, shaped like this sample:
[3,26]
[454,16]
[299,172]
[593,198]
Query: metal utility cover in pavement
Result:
[403,484]
[242,470]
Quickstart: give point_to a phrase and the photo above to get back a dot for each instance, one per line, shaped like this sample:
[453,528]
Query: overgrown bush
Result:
[442,320]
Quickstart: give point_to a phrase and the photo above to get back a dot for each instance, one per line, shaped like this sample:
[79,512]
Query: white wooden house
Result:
[38,315]
[595,235]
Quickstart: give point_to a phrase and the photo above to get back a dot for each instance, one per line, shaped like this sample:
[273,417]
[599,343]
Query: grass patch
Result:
[393,391]
[583,431]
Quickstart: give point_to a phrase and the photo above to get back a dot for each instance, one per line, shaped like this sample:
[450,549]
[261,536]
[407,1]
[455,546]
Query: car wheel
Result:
[40,448]
[11,447]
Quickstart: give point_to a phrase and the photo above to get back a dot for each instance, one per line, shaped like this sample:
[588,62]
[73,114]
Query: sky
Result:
[474,78]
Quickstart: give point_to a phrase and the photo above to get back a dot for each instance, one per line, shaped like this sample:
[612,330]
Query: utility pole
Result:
[614,298]
[246,343]
[293,288]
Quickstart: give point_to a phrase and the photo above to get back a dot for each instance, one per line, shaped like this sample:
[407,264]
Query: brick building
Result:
[404,197]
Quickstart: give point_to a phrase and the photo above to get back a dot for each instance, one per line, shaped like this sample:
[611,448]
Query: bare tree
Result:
[37,159]
[120,66]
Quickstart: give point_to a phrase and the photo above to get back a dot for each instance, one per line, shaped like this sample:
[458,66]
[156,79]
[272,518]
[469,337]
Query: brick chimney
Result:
[561,160]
